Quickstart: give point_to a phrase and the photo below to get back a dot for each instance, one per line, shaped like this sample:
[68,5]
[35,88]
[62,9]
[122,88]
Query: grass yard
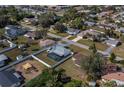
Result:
[72,70]
[33,44]
[59,34]
[78,49]
[21,40]
[4,46]
[43,56]
[99,46]
[1,48]
[119,51]
[72,37]
[33,48]
[2,31]
[12,54]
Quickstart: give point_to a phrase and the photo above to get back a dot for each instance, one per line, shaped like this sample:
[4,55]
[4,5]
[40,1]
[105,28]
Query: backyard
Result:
[72,70]
[4,44]
[28,76]
[43,56]
[12,54]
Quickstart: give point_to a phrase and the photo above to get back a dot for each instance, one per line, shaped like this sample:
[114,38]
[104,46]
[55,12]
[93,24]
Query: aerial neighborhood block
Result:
[61,46]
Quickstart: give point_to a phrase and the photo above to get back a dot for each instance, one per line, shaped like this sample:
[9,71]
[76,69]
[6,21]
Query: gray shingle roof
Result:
[7,79]
[60,50]
[3,57]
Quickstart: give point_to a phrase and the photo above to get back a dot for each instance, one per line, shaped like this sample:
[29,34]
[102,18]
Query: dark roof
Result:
[13,31]
[7,78]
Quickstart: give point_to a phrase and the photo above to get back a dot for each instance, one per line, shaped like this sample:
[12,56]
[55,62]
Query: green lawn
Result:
[21,40]
[72,37]
[33,48]
[99,46]
[12,54]
[43,56]
[59,34]
[78,49]
[1,31]
[33,44]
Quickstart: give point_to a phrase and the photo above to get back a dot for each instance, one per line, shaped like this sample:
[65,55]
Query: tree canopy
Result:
[59,27]
[49,78]
[47,19]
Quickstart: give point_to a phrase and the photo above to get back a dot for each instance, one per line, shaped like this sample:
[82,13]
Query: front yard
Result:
[78,49]
[99,46]
[72,37]
[119,51]
[59,34]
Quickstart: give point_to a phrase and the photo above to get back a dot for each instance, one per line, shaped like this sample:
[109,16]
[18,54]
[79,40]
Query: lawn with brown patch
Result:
[12,54]
[28,76]
[72,70]
[99,46]
[119,51]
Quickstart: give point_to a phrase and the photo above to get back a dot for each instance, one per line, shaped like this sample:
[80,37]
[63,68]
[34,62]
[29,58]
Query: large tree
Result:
[74,83]
[48,78]
[69,15]
[41,33]
[93,65]
[77,23]
[59,27]
[47,19]
[112,57]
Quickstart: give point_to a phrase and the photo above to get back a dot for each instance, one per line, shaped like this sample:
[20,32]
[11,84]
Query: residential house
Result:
[13,31]
[104,14]
[72,31]
[88,23]
[121,29]
[10,79]
[112,42]
[3,59]
[30,21]
[108,26]
[58,52]
[118,77]
[109,68]
[47,42]
[92,35]
[31,35]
